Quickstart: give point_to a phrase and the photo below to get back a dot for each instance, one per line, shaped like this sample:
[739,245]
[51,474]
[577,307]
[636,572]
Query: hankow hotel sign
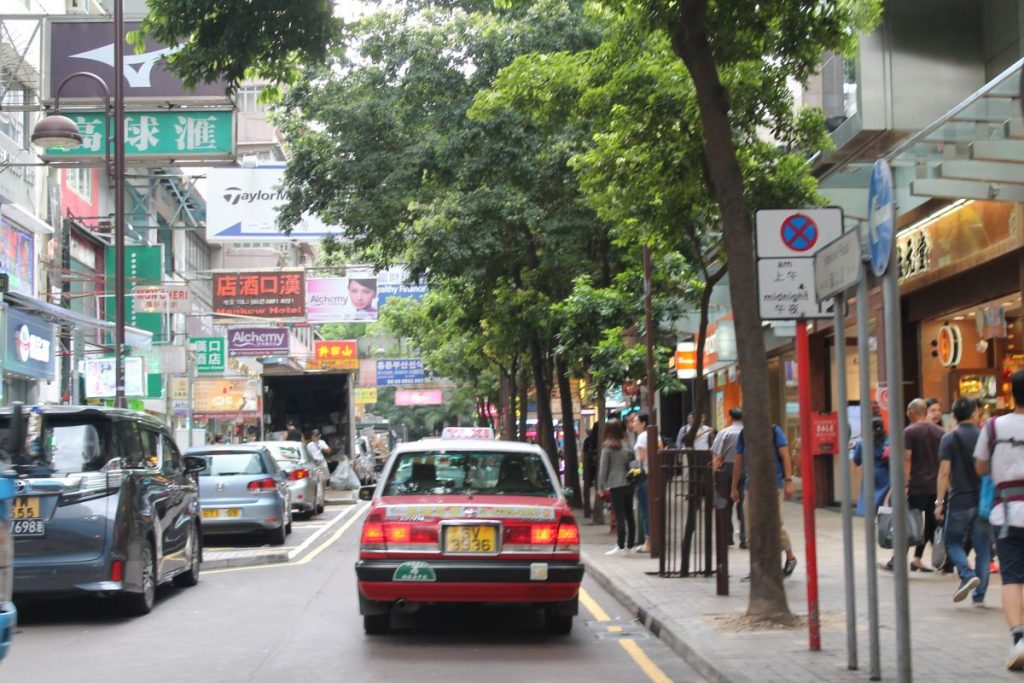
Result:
[279,294]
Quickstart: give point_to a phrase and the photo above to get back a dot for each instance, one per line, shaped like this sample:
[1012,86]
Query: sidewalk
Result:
[949,642]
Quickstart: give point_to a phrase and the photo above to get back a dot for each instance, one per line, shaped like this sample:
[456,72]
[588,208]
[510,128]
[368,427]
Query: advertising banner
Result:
[394,282]
[341,299]
[367,372]
[425,397]
[261,293]
[177,134]
[30,348]
[241,204]
[100,380]
[210,354]
[162,299]
[335,354]
[258,341]
[17,257]
[87,45]
[143,266]
[365,395]
[399,371]
[225,396]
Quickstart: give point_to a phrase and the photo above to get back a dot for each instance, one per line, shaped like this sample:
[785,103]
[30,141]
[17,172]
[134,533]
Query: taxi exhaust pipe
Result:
[406,607]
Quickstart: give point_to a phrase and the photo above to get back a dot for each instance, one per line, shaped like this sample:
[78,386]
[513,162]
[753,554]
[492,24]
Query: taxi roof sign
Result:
[476,433]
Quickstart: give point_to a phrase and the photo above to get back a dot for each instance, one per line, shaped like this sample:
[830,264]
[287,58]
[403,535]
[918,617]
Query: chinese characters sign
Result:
[225,397]
[260,294]
[209,353]
[335,355]
[399,371]
[162,299]
[175,134]
[143,266]
[365,395]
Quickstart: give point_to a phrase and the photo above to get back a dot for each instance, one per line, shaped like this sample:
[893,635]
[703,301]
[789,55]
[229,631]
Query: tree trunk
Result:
[690,42]
[507,403]
[602,413]
[524,382]
[572,472]
[545,436]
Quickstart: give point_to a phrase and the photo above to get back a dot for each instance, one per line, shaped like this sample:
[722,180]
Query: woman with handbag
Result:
[612,473]
[881,448]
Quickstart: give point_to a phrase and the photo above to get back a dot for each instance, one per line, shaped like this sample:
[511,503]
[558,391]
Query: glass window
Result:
[460,472]
[80,181]
[130,443]
[152,447]
[66,444]
[232,463]
[247,99]
[171,456]
[12,119]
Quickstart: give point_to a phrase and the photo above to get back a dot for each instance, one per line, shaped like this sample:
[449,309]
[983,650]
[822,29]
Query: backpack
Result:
[1007,491]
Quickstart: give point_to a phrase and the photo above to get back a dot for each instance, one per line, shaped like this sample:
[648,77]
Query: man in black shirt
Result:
[292,433]
[958,477]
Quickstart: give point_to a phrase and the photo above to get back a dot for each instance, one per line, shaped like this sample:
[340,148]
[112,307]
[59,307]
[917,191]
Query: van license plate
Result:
[28,527]
[25,507]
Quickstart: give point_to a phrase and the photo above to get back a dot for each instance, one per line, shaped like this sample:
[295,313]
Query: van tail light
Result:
[266,484]
[298,474]
[373,533]
[90,487]
[568,536]
[117,570]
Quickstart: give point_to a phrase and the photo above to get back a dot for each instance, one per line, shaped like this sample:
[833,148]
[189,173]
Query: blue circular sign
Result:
[881,209]
[799,232]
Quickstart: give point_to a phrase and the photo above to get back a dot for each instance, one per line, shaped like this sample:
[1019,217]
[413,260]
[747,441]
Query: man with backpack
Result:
[783,485]
[958,477]
[1000,450]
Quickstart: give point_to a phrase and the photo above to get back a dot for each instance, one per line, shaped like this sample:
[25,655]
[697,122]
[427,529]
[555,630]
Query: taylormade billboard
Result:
[241,206]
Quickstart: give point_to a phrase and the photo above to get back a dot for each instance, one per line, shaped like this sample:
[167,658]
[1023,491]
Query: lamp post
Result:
[56,130]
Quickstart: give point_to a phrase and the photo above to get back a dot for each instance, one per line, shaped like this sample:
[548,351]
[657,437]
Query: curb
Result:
[655,621]
[247,560]
[340,501]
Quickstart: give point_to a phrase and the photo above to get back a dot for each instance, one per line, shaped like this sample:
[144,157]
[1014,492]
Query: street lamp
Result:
[56,130]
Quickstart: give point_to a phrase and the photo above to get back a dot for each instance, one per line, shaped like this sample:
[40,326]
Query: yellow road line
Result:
[305,560]
[628,644]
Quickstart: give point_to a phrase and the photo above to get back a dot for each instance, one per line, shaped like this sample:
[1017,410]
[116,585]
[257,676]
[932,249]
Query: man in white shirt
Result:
[1005,460]
[723,451]
[317,447]
[701,442]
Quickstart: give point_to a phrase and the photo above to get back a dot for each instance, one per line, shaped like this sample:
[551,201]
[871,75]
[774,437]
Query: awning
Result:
[26,219]
[133,336]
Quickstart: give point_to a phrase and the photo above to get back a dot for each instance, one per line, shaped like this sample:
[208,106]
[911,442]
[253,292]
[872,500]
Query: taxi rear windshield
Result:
[463,472]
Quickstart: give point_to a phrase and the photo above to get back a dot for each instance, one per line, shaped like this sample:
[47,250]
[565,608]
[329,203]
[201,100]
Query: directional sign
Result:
[880,217]
[837,267]
[796,232]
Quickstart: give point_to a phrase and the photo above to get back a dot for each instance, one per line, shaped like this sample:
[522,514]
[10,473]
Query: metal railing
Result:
[687,531]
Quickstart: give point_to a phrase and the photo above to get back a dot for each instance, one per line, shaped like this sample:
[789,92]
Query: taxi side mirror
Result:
[366,492]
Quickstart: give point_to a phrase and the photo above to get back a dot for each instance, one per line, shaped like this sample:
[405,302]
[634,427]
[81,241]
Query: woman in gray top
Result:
[611,476]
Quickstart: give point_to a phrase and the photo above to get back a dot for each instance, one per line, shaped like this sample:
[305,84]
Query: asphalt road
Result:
[300,621]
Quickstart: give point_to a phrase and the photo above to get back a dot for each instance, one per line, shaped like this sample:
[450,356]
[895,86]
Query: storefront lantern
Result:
[950,345]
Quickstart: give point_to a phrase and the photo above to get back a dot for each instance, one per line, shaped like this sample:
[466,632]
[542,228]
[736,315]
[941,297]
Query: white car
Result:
[307,476]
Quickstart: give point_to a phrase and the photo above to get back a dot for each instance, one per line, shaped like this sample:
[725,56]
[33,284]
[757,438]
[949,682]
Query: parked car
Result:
[307,475]
[242,490]
[8,613]
[103,505]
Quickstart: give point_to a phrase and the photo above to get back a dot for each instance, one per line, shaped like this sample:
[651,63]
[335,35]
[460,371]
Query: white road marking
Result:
[295,552]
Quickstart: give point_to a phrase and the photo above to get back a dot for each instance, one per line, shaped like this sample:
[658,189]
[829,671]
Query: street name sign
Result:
[837,267]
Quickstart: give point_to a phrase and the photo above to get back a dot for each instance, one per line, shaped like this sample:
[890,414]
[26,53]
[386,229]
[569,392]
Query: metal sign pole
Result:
[839,324]
[867,448]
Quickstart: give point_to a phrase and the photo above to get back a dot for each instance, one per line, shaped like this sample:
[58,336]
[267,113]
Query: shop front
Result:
[29,356]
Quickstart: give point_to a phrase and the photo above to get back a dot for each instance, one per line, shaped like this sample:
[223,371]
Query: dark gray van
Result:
[103,505]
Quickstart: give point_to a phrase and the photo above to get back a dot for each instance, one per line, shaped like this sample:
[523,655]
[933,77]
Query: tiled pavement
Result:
[950,642]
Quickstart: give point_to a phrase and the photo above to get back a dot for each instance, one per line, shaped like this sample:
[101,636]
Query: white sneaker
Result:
[615,551]
[1015,662]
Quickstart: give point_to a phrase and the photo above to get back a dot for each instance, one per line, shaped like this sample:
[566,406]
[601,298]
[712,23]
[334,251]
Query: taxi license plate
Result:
[222,512]
[25,507]
[471,538]
[28,527]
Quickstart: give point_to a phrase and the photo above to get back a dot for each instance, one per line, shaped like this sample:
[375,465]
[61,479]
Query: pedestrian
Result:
[783,486]
[960,479]
[921,470]
[880,441]
[723,460]
[640,421]
[705,434]
[611,476]
[934,411]
[317,447]
[292,432]
[629,424]
[999,452]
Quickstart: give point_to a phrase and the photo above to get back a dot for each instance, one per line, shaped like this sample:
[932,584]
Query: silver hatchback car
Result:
[241,490]
[307,475]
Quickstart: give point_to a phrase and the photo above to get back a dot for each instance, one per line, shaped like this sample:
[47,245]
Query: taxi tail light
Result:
[373,533]
[568,535]
[298,474]
[265,484]
[523,535]
[404,533]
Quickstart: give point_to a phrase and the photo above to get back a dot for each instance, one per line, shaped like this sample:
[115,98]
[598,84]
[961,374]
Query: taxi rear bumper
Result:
[472,582]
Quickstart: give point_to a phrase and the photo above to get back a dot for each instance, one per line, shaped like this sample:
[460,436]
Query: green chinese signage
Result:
[175,134]
[210,353]
[143,266]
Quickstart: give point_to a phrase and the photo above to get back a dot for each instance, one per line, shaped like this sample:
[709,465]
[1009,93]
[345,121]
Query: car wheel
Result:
[191,577]
[140,604]
[323,501]
[278,535]
[288,526]
[377,624]
[557,624]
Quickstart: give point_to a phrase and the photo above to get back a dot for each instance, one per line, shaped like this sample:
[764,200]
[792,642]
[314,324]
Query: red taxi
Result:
[468,520]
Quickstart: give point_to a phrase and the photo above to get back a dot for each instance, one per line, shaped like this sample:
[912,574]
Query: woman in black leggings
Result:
[614,464]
